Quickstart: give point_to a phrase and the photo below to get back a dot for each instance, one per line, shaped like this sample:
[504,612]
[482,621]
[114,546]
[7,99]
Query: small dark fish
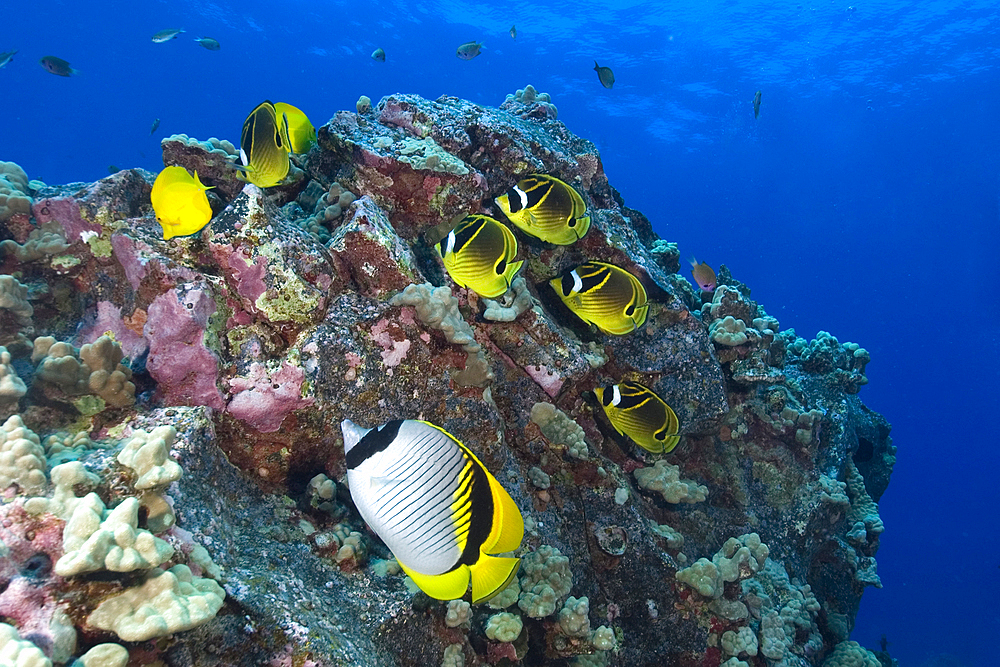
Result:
[57,66]
[469,50]
[209,43]
[167,35]
[112,169]
[156,126]
[379,55]
[513,32]
[6,57]
[605,74]
[756,104]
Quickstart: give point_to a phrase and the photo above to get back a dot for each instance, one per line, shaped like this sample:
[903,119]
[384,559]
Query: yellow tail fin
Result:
[508,526]
[448,586]
[490,575]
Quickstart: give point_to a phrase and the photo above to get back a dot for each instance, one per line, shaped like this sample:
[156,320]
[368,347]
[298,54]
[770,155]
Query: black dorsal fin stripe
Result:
[481,525]
[374,441]
[537,192]
[466,231]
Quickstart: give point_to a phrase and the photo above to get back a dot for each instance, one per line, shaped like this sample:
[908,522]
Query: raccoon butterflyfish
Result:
[479,254]
[435,506]
[547,208]
[605,75]
[604,295]
[756,104]
[179,202]
[378,55]
[264,146]
[301,133]
[703,275]
[637,412]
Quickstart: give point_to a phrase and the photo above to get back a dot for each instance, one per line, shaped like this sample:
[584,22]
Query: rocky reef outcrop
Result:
[234,354]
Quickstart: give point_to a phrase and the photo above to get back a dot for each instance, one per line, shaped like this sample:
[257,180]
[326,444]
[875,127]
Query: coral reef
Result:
[171,460]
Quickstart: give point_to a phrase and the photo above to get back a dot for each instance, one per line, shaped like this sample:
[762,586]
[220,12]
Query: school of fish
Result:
[444,516]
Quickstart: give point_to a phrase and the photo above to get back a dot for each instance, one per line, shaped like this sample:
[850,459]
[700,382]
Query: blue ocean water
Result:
[865,199]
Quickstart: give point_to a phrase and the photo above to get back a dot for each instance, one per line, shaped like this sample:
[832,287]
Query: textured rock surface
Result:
[270,337]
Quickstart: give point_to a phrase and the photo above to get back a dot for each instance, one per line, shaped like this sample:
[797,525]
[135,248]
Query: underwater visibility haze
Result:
[839,160]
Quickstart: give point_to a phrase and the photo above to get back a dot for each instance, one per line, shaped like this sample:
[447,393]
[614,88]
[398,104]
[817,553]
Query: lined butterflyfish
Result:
[301,133]
[179,202]
[264,147]
[638,413]
[547,208]
[604,295]
[435,506]
[478,253]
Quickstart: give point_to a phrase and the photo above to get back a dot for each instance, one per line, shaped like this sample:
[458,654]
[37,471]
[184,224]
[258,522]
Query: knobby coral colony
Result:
[168,401]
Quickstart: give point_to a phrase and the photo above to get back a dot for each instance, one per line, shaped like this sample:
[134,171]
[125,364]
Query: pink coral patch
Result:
[547,379]
[66,211]
[185,370]
[263,400]
[109,318]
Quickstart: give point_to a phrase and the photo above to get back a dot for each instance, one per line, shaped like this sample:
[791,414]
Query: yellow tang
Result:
[301,133]
[546,208]
[179,202]
[264,146]
[435,506]
[605,295]
[478,254]
[637,412]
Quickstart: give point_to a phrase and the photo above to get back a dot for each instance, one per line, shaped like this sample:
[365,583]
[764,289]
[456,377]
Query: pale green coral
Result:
[459,614]
[453,656]
[104,655]
[96,539]
[737,559]
[665,479]
[573,619]
[740,641]
[504,627]
[851,654]
[427,154]
[221,147]
[17,652]
[168,601]
[14,298]
[728,331]
[560,429]
[14,189]
[147,454]
[507,596]
[545,579]
[438,308]
[12,387]
[508,308]
[22,458]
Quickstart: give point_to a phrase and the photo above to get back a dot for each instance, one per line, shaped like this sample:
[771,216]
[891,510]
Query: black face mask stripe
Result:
[376,440]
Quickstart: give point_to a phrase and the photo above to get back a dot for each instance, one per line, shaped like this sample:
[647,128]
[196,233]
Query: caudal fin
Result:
[490,575]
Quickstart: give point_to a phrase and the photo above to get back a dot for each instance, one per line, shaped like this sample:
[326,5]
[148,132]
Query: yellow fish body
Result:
[638,413]
[479,254]
[604,295]
[264,146]
[435,506]
[547,208]
[179,202]
[301,133]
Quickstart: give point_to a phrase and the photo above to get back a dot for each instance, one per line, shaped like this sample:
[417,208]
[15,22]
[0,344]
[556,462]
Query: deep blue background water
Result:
[864,201]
